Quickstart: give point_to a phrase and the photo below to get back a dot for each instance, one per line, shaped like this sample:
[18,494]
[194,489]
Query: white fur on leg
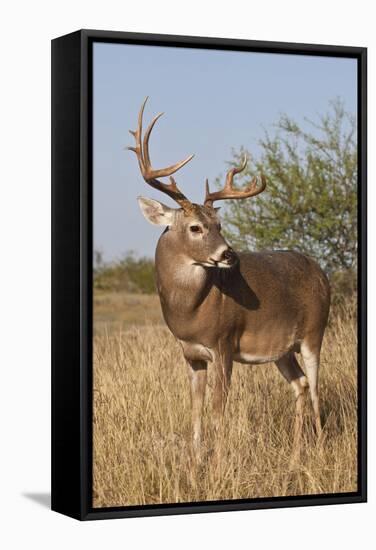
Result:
[311,363]
[299,385]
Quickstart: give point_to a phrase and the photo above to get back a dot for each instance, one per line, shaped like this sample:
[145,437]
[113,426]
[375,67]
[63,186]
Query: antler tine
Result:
[229,192]
[237,170]
[150,174]
[137,136]
[146,138]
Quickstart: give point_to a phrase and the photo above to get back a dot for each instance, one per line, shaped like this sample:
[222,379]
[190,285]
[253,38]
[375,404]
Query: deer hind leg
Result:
[197,372]
[291,371]
[311,358]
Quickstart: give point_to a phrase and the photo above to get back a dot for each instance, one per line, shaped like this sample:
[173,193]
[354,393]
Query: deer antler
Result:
[148,173]
[228,192]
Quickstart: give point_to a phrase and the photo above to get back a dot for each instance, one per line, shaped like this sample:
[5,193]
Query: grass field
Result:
[141,417]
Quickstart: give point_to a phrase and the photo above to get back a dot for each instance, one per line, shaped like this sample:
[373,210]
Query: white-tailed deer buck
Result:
[222,306]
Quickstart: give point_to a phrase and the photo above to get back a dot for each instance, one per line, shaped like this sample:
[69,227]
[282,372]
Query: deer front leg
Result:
[222,379]
[197,372]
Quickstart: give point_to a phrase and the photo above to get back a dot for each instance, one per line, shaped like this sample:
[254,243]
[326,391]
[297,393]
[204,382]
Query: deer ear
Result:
[156,212]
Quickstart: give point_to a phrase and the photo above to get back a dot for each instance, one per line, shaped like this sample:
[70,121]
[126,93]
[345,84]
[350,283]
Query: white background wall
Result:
[27,28]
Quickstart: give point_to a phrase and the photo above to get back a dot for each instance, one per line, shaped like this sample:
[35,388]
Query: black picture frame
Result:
[72,239]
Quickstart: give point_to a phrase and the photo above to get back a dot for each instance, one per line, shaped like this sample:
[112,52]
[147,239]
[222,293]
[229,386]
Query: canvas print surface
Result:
[224,284]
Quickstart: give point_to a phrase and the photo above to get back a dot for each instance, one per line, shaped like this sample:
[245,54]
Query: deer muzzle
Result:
[226,258]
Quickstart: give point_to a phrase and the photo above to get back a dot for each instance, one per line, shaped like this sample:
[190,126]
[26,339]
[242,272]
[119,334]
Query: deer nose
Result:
[224,254]
[228,256]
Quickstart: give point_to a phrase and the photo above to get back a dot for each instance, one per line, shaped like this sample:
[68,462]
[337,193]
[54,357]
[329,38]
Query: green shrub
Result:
[129,274]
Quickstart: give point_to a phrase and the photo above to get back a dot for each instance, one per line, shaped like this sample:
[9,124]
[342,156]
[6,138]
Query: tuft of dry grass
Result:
[141,419]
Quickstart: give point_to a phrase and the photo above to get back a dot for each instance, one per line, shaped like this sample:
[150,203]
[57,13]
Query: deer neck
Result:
[182,285]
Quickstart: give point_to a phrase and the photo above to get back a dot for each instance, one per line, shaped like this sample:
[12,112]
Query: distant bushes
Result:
[343,287]
[129,274]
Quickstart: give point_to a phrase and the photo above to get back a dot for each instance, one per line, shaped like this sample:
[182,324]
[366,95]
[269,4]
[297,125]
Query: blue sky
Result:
[213,101]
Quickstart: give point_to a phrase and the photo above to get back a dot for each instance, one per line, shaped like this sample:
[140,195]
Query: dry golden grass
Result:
[142,418]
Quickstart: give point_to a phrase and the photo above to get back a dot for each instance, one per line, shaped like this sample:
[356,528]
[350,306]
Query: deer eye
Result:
[219,227]
[195,229]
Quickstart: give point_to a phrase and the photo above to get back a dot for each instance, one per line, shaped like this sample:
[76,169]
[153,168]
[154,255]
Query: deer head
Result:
[197,227]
